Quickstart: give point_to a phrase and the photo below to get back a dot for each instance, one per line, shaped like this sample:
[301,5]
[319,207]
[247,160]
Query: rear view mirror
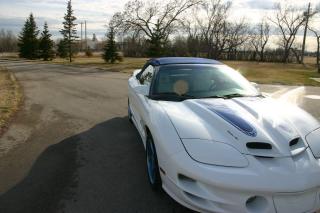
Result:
[142,90]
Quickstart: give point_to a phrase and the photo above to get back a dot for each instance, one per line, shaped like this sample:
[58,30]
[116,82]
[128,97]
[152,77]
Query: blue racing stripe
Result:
[228,115]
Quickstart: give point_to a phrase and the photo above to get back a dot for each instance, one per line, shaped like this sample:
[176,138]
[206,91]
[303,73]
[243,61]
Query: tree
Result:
[134,45]
[61,49]
[260,37]
[155,19]
[46,44]
[307,17]
[89,52]
[189,26]
[69,31]
[8,41]
[28,40]
[288,20]
[237,35]
[110,50]
[317,35]
[94,37]
[214,26]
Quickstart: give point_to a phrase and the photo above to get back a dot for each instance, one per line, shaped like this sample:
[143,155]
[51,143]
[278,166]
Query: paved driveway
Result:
[71,148]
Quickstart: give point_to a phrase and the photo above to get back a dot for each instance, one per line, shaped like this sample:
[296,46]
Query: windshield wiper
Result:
[234,95]
[238,95]
[213,96]
[172,94]
[229,96]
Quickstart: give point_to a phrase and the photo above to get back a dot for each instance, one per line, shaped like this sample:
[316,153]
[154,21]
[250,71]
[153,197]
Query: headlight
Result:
[214,153]
[313,140]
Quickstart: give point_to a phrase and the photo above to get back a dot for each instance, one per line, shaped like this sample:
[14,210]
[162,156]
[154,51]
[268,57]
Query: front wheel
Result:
[152,165]
[129,112]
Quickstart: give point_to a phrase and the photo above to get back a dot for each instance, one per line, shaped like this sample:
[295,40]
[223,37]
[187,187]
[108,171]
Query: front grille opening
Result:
[294,142]
[264,157]
[259,145]
[257,204]
[184,178]
[197,200]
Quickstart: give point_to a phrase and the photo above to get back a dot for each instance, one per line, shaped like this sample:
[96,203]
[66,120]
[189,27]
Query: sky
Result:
[97,13]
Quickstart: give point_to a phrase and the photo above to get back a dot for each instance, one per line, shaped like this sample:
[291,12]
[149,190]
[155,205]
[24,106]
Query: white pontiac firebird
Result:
[215,144]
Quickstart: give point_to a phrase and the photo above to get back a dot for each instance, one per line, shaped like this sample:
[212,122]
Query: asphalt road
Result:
[72,149]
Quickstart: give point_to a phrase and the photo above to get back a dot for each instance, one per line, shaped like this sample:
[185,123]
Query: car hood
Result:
[251,124]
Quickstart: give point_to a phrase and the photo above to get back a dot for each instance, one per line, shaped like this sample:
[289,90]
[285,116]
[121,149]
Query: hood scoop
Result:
[261,149]
[297,146]
[294,142]
[257,145]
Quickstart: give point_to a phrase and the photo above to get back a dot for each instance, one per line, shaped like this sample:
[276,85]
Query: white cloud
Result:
[97,12]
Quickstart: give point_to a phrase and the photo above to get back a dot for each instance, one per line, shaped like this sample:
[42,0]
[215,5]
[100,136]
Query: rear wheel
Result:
[152,165]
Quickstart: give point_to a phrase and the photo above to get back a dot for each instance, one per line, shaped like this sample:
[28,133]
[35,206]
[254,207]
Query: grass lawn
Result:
[10,97]
[263,73]
[127,66]
[274,73]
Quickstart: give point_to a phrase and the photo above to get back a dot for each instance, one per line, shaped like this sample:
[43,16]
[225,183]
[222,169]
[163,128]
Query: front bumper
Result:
[267,185]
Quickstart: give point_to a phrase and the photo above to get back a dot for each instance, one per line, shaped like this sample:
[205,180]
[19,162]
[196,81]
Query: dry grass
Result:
[277,73]
[10,97]
[127,66]
[264,73]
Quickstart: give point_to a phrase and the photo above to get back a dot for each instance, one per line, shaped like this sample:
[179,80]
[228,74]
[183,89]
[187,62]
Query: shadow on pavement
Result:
[100,170]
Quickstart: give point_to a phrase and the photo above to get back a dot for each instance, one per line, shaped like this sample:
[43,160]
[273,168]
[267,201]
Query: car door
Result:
[140,103]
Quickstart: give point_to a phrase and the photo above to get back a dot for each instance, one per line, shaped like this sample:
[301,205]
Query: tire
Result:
[129,112]
[153,171]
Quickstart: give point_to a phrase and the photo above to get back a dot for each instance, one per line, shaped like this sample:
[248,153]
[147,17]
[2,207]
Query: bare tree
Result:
[218,36]
[288,20]
[213,26]
[317,35]
[237,35]
[260,36]
[155,19]
[190,27]
[8,41]
[308,14]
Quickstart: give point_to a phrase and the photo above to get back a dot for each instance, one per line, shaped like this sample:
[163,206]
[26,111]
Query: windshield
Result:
[180,82]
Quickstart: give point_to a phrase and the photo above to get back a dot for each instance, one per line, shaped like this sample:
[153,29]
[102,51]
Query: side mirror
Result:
[255,85]
[135,73]
[142,90]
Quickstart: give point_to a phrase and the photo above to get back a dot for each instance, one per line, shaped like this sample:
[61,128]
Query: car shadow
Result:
[99,170]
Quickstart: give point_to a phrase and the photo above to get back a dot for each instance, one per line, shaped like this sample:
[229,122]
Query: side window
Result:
[147,75]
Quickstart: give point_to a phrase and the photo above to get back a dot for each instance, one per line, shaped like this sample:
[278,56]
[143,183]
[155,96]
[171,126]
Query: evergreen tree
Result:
[69,31]
[110,50]
[28,41]
[156,43]
[46,44]
[62,50]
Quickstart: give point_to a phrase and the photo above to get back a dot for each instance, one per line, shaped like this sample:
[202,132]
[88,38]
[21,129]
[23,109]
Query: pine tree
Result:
[28,39]
[46,44]
[156,43]
[110,50]
[69,31]
[62,50]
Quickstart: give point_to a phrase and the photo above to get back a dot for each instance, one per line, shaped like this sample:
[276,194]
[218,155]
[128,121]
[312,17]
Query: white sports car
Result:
[215,144]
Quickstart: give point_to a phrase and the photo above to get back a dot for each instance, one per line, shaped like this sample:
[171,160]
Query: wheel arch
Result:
[149,134]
